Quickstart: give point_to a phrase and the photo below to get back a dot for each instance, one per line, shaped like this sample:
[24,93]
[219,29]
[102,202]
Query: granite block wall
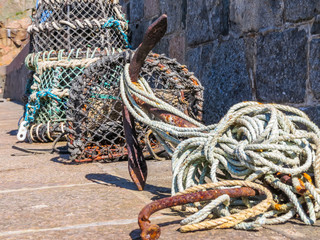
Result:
[16,74]
[265,50]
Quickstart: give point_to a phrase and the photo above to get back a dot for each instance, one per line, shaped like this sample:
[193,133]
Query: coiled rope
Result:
[267,143]
[192,223]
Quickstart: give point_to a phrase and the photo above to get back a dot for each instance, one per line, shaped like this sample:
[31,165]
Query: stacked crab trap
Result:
[80,49]
[66,37]
[74,24]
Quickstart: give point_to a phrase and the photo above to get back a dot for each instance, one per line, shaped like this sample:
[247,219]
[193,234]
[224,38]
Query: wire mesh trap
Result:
[54,72]
[95,130]
[72,24]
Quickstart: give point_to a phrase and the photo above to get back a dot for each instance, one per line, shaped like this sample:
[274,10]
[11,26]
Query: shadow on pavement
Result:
[13,132]
[63,159]
[110,180]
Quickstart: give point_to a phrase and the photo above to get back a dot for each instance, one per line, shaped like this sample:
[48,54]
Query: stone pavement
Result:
[43,197]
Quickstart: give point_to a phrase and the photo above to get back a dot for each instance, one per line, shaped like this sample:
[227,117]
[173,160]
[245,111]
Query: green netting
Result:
[51,110]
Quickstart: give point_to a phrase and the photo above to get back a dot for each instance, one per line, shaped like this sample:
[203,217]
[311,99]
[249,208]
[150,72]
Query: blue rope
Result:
[31,109]
[44,15]
[111,22]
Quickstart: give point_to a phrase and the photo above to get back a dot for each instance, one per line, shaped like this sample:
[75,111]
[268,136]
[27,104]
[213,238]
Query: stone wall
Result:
[13,37]
[15,9]
[266,50]
[14,20]
[15,77]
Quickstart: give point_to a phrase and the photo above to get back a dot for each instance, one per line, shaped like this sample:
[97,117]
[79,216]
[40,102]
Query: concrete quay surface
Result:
[42,196]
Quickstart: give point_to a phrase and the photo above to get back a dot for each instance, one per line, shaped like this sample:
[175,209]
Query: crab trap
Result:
[66,37]
[45,112]
[94,114]
[73,24]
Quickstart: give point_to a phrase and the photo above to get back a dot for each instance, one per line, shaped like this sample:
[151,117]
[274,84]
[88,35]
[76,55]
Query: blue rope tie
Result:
[111,22]
[31,109]
[44,15]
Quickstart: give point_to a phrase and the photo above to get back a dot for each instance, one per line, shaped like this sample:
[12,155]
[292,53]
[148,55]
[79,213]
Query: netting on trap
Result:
[72,24]
[94,115]
[45,111]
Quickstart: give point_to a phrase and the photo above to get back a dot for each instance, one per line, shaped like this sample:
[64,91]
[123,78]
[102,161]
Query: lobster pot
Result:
[95,128]
[47,103]
[72,24]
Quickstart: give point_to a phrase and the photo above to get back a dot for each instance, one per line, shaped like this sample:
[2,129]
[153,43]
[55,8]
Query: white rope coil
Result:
[84,23]
[51,2]
[45,65]
[33,59]
[58,92]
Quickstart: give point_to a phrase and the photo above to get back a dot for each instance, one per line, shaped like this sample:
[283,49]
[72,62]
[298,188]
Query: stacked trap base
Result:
[95,108]
[54,73]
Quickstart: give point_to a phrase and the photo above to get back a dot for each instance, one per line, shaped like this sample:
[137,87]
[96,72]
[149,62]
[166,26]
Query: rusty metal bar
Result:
[287,179]
[152,36]
[152,231]
[136,163]
[165,116]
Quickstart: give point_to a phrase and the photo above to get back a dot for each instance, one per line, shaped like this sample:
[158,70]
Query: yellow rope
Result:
[234,219]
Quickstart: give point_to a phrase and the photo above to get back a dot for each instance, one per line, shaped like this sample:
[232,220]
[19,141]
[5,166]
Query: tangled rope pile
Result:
[271,144]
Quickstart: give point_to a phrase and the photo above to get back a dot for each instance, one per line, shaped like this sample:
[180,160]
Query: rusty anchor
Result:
[136,163]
